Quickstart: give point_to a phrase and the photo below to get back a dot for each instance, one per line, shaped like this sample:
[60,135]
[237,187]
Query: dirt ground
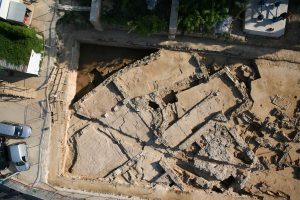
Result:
[187,123]
[277,78]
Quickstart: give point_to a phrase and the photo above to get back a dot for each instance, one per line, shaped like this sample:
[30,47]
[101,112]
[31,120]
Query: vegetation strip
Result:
[17,42]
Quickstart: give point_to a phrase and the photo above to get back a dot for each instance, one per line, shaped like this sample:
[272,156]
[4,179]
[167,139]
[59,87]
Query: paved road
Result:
[7,193]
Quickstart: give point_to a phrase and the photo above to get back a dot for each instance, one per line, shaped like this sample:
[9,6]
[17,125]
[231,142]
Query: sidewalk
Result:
[34,112]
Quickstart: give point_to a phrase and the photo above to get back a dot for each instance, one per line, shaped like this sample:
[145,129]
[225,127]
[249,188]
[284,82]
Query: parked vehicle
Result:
[18,156]
[3,154]
[15,130]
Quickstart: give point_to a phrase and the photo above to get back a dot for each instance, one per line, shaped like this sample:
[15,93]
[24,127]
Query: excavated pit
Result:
[97,62]
[184,121]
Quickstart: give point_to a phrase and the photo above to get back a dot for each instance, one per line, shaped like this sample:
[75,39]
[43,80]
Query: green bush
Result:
[148,25]
[75,18]
[16,43]
[136,16]
[195,15]
[85,2]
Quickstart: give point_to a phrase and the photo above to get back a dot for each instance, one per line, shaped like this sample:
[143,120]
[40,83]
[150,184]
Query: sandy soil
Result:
[277,78]
[277,181]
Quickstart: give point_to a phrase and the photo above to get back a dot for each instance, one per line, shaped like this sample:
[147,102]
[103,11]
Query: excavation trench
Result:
[97,62]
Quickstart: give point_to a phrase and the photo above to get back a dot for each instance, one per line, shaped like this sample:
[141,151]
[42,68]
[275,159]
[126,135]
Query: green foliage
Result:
[136,16]
[237,7]
[79,19]
[201,14]
[85,2]
[148,25]
[16,43]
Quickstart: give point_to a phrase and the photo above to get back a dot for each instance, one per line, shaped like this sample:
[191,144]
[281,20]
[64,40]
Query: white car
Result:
[14,130]
[18,156]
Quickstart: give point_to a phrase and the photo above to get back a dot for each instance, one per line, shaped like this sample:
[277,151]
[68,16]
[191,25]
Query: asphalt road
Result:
[7,193]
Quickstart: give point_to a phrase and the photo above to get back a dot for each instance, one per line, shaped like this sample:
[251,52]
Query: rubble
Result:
[297,110]
[124,168]
[297,136]
[205,129]
[283,120]
[248,153]
[282,158]
[265,162]
[241,179]
[284,137]
[218,144]
[209,170]
[202,183]
[220,117]
[203,74]
[248,72]
[281,102]
[263,142]
[172,174]
[271,127]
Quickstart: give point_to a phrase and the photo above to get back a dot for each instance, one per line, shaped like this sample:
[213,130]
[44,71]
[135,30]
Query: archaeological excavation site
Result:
[150,99]
[173,124]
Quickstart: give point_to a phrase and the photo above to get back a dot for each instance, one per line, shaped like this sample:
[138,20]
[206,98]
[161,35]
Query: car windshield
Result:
[20,163]
[18,131]
[24,159]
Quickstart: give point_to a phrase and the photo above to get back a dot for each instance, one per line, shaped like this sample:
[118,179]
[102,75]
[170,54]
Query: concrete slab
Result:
[130,123]
[90,154]
[193,118]
[98,102]
[171,67]
[199,92]
[131,146]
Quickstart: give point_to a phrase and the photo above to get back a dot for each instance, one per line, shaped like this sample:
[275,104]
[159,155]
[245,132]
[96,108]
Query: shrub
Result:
[195,15]
[148,25]
[136,16]
[78,19]
[16,43]
[85,2]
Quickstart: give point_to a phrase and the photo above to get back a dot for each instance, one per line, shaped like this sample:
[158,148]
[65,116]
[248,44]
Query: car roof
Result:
[7,129]
[18,152]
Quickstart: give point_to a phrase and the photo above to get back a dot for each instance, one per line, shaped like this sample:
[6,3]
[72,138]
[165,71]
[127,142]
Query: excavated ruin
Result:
[183,121]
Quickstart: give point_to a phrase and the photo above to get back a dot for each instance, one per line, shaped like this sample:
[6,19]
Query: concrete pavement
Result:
[34,112]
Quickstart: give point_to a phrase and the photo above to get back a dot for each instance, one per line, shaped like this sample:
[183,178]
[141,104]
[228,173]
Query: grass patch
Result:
[16,43]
